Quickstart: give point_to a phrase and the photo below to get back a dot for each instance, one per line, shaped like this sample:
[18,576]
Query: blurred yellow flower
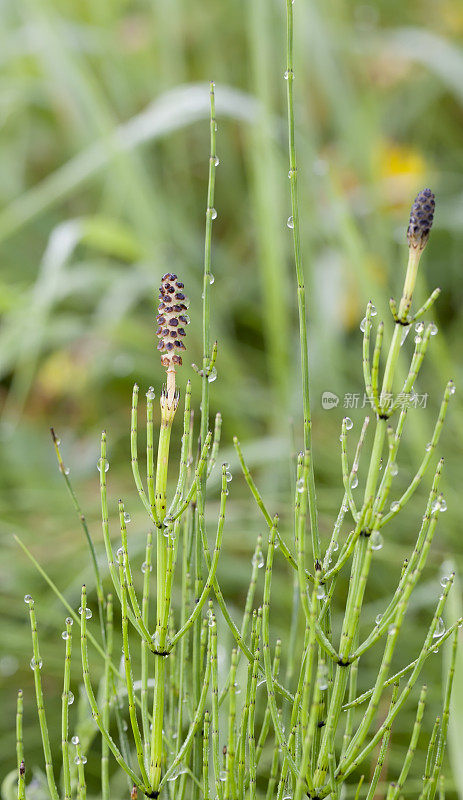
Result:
[401,169]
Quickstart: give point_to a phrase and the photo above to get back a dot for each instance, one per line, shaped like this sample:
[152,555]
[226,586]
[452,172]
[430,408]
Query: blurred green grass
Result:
[103,160]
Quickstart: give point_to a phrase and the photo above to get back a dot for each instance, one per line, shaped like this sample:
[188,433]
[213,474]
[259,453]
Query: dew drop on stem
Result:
[145,567]
[127,517]
[320,592]
[105,463]
[376,540]
[88,612]
[75,740]
[290,223]
[212,375]
[258,560]
[27,598]
[405,332]
[348,424]
[378,619]
[439,630]
[300,485]
[70,699]
[36,664]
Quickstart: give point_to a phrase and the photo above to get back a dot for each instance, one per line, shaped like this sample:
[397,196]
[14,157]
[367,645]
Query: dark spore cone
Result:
[421,219]
[171,318]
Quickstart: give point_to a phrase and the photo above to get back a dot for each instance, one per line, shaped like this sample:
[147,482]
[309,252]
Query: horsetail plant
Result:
[195,728]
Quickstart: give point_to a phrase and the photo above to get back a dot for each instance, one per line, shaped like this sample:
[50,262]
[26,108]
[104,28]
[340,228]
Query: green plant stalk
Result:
[362,554]
[230,783]
[395,789]
[20,748]
[266,652]
[92,700]
[215,709]
[150,508]
[85,528]
[108,684]
[129,677]
[301,297]
[204,425]
[65,713]
[81,785]
[40,706]
[429,759]
[196,721]
[205,787]
[382,752]
[445,720]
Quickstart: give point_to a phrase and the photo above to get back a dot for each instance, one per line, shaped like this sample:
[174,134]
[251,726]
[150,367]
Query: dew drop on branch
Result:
[439,630]
[376,540]
[145,567]
[300,485]
[27,598]
[348,423]
[378,619]
[127,517]
[258,560]
[36,664]
[290,223]
[212,375]
[105,464]
[88,612]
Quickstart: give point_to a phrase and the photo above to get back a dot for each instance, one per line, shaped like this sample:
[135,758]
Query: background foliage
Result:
[103,157]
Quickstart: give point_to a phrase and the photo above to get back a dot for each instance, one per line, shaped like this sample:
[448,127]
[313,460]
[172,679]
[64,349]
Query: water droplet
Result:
[127,517]
[65,635]
[418,339]
[228,477]
[212,375]
[88,612]
[211,278]
[439,505]
[354,482]
[395,506]
[27,598]
[58,441]
[66,471]
[202,298]
[69,621]
[211,621]
[419,327]
[405,332]
[216,161]
[392,629]
[223,775]
[320,591]
[345,508]
[290,222]
[452,389]
[209,613]
[323,676]
[376,540]
[75,740]
[259,683]
[460,624]
[378,619]
[394,469]
[444,580]
[439,630]
[120,553]
[70,699]
[436,650]
[237,688]
[105,463]
[77,760]
[373,311]
[433,329]
[363,324]
[36,664]
[335,547]
[212,212]
[348,423]
[300,485]
[150,395]
[258,559]
[145,566]
[83,759]
[443,505]
[428,447]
